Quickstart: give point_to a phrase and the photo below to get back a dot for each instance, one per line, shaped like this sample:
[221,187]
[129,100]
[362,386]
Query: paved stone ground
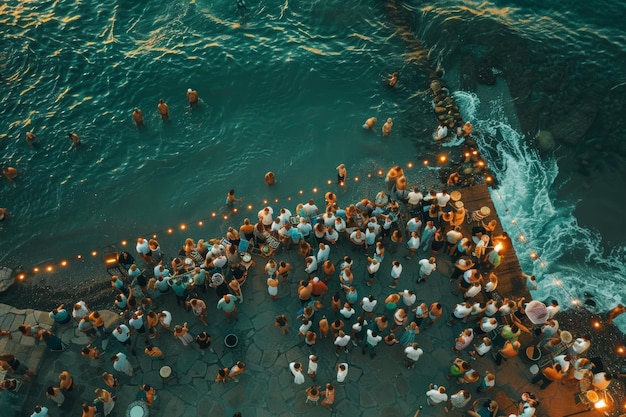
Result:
[374,387]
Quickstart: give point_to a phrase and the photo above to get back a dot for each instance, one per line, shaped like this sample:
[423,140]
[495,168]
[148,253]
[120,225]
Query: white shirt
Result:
[81,312]
[486,325]
[413,243]
[368,306]
[312,365]
[323,254]
[552,310]
[442,199]
[342,341]
[143,247]
[564,363]
[298,378]
[442,131]
[266,218]
[305,327]
[167,319]
[426,268]
[304,228]
[373,267]
[341,375]
[354,237]
[310,209]
[340,224]
[482,349]
[490,310]
[396,271]
[453,236]
[331,234]
[285,216]
[347,313]
[415,197]
[580,345]
[436,397]
[329,219]
[412,353]
[408,299]
[413,225]
[371,340]
[460,311]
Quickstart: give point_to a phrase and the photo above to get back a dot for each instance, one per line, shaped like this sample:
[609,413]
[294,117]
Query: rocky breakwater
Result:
[468,167]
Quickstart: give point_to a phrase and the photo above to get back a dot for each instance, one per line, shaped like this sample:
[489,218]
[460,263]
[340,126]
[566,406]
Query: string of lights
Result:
[52,266]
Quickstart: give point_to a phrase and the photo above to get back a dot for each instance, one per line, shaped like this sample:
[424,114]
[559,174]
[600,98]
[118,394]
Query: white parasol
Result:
[537,312]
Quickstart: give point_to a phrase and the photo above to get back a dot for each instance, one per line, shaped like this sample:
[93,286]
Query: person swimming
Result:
[74,138]
[270,178]
[164,110]
[369,123]
[392,80]
[192,96]
[138,117]
[387,127]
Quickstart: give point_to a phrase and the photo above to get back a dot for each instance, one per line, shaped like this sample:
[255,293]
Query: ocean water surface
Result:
[286,86]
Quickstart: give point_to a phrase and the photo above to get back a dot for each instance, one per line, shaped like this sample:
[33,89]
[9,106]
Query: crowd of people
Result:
[395,229]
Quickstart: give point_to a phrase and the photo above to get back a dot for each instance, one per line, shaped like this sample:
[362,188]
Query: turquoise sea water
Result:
[286,86]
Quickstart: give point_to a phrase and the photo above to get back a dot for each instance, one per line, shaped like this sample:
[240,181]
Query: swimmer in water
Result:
[270,178]
[10,173]
[231,199]
[4,213]
[74,138]
[30,138]
[341,174]
[241,5]
[138,117]
[369,123]
[192,96]
[392,80]
[164,110]
[387,127]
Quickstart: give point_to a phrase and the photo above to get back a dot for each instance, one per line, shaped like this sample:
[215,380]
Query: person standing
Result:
[396,271]
[412,353]
[228,307]
[371,341]
[342,372]
[436,395]
[427,267]
[329,396]
[192,96]
[164,110]
[121,364]
[341,174]
[56,395]
[138,117]
[296,371]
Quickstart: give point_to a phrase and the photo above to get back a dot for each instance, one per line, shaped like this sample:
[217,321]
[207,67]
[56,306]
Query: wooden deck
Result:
[509,272]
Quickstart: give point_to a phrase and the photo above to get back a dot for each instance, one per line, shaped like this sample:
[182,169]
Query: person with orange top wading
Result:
[192,96]
[138,117]
[88,410]
[164,110]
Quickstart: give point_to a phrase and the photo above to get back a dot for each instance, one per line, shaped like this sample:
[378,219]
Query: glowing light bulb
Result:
[79,256]
[329,182]
[315,190]
[481,163]
[94,253]
[380,172]
[522,238]
[443,158]
[557,281]
[301,192]
[275,200]
[369,175]
[21,277]
[596,324]
[249,206]
[124,243]
[467,154]
[264,201]
[410,165]
[533,255]
[543,264]
[356,179]
[200,223]
[170,231]
[575,302]
[489,179]
[513,222]
[49,268]
[289,198]
[425,161]
[213,214]
[183,226]
[154,236]
[64,263]
[225,217]
[235,210]
[35,269]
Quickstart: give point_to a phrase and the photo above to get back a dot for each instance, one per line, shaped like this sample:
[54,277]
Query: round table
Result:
[137,409]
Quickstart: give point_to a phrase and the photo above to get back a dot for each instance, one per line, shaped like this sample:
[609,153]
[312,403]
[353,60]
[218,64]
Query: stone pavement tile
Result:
[185,360]
[402,386]
[366,398]
[185,392]
[171,404]
[254,356]
[5,309]
[345,407]
[198,370]
[275,402]
[269,358]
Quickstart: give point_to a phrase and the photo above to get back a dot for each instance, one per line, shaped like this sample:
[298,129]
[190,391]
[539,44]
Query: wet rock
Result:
[6,278]
[572,127]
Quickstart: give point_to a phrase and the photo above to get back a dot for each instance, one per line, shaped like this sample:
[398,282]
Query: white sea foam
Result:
[572,266]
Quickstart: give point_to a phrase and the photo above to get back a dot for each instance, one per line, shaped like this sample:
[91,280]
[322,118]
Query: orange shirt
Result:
[96,321]
[66,380]
[155,352]
[91,411]
[552,374]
